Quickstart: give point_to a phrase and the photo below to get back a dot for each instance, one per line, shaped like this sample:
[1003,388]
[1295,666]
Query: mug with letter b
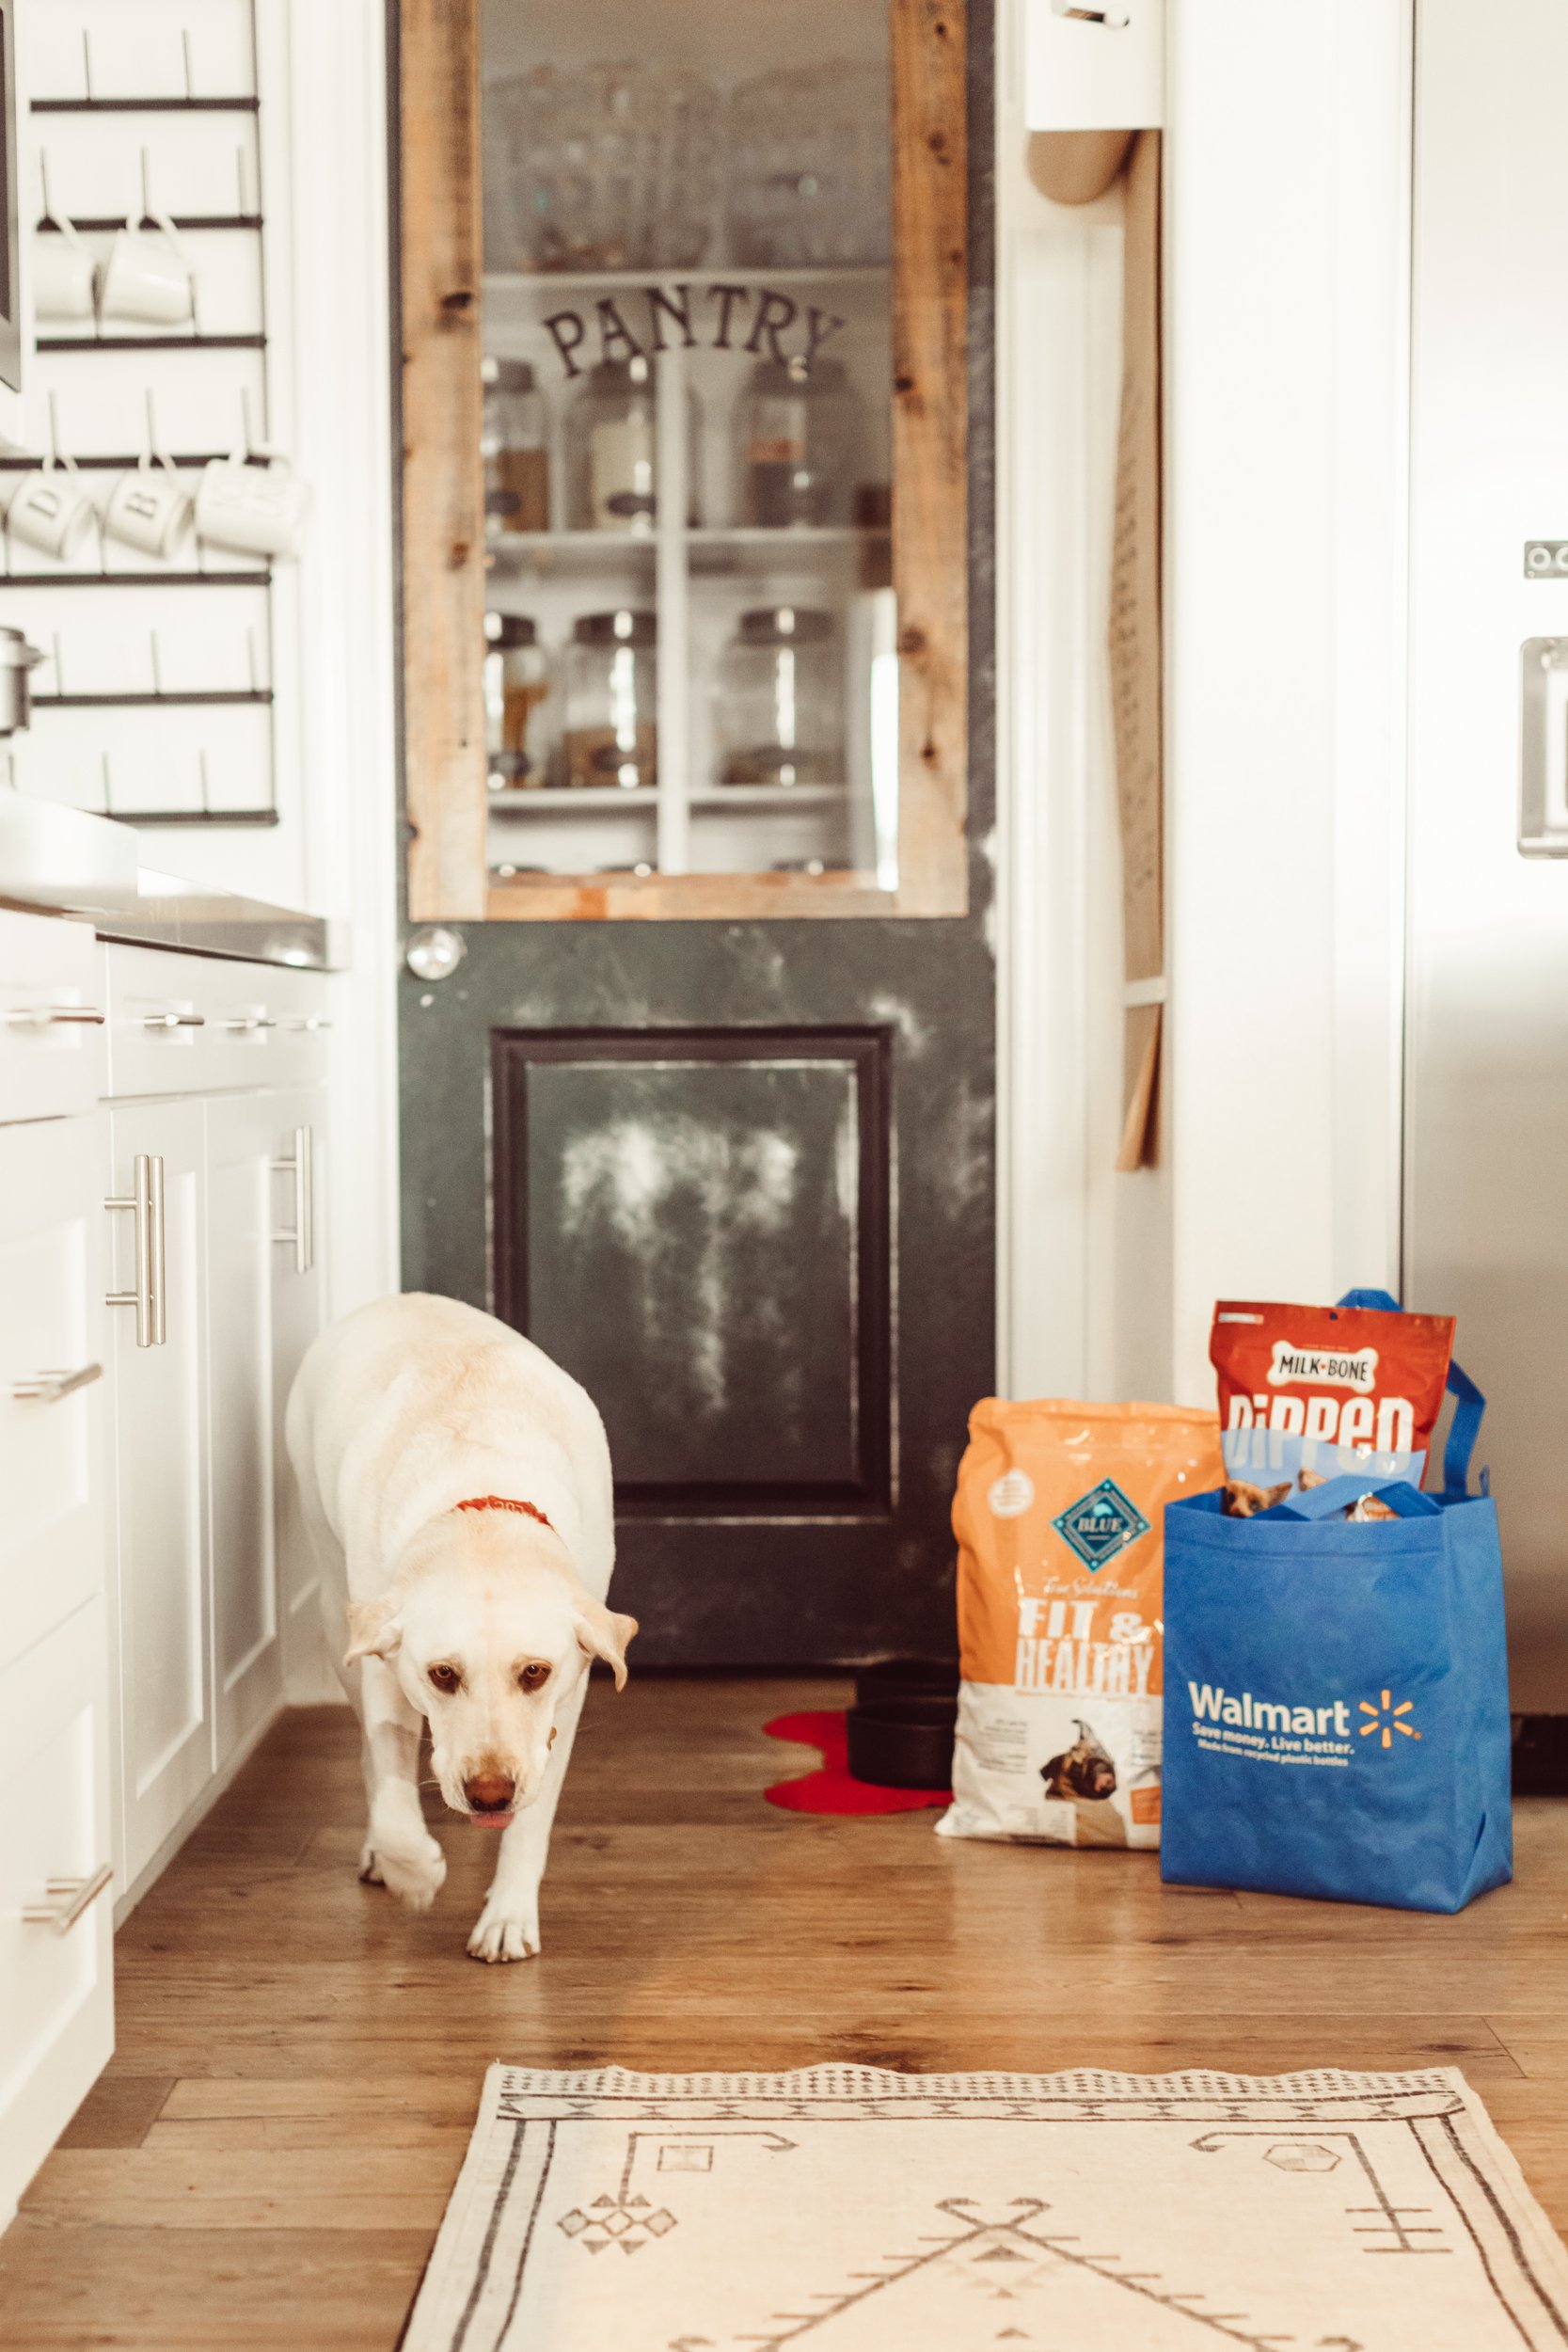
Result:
[151,508]
[253,502]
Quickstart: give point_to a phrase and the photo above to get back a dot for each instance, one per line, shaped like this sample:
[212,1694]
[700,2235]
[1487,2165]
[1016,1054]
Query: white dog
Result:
[456,1487]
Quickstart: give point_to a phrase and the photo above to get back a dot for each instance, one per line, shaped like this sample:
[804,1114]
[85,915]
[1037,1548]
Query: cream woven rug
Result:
[844,2210]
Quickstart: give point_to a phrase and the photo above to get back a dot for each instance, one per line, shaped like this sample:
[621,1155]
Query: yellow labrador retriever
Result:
[456,1487]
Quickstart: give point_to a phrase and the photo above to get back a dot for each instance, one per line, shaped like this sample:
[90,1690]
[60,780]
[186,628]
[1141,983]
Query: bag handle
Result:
[1468,1406]
[1337,1494]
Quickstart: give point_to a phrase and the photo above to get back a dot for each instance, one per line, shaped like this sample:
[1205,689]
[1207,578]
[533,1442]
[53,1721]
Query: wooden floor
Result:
[267,2159]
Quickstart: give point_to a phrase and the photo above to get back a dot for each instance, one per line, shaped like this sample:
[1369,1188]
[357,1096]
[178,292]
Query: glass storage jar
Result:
[612,449]
[516,693]
[513,445]
[798,430]
[780,699]
[612,700]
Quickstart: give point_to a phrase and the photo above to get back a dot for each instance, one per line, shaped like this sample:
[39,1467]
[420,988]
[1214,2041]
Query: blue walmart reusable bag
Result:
[1337,1695]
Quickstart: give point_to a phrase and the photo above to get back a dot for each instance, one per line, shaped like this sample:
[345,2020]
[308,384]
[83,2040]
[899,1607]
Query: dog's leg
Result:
[399,1850]
[508,1927]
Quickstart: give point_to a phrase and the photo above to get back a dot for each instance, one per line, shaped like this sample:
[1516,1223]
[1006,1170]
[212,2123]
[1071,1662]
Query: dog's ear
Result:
[374,1629]
[604,1634]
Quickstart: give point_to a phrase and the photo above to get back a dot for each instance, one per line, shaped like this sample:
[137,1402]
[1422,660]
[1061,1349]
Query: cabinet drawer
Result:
[52,1057]
[199,1024]
[53,1256]
[157,1028]
[56,1990]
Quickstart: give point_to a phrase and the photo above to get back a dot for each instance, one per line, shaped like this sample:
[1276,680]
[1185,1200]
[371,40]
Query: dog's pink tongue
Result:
[491,1820]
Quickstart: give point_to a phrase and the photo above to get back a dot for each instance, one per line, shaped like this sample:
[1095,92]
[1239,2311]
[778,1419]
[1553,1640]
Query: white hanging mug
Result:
[151,508]
[253,508]
[65,274]
[49,510]
[148,276]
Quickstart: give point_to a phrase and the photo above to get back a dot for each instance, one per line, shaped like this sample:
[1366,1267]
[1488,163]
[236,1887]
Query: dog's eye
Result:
[446,1678]
[533,1677]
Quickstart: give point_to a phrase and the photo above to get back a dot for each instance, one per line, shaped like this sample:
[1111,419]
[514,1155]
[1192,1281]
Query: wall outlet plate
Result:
[1094,65]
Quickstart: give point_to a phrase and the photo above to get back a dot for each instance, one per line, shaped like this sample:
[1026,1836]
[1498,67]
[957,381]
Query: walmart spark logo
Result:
[1387,1719]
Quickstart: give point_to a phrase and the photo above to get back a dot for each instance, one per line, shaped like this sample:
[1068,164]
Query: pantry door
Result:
[698,1036]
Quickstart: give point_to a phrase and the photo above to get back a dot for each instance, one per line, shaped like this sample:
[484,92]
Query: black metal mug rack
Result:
[182,337]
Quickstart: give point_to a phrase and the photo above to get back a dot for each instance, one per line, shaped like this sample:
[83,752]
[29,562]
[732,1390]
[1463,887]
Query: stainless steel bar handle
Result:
[145,1204]
[312,1021]
[300,1165]
[250,1022]
[56,1016]
[67,1899]
[174,1020]
[47,1388]
[157,1255]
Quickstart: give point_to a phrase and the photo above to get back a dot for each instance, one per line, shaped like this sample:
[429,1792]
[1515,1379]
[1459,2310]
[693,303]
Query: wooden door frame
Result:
[443,573]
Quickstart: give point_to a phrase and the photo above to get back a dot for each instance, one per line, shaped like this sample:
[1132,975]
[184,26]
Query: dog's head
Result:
[1244,1501]
[488,1631]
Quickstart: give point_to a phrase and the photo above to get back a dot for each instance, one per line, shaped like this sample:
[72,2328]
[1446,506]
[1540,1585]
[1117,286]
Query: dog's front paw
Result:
[504,1935]
[414,1873]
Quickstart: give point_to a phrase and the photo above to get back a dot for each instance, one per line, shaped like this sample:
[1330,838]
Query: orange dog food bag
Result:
[1060,1521]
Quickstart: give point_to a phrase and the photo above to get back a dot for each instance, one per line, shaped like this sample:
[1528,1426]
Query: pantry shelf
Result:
[585,801]
[518,548]
[608,800]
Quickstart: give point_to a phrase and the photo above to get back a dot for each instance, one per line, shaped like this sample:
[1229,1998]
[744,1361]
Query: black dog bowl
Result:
[905,1678]
[903,1743]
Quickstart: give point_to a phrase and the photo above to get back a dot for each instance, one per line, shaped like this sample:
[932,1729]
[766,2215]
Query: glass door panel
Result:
[691,660]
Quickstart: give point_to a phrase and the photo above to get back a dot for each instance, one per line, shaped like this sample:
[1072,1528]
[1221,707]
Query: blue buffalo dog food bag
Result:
[1337,1715]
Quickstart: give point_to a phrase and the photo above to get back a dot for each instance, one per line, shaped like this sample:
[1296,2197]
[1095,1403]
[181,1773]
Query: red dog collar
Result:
[503,1502]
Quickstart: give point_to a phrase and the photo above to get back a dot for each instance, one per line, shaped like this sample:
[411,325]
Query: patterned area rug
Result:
[845,2210]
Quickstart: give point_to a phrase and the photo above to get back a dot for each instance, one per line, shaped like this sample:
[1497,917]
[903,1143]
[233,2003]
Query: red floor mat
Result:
[833,1788]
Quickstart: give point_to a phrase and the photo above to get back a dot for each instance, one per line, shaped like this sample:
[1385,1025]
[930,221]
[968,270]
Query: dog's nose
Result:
[490,1792]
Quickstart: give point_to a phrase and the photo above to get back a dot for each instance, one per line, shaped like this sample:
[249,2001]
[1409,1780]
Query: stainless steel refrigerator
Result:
[1486,1115]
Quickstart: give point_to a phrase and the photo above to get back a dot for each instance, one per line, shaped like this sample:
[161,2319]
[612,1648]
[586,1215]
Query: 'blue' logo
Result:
[1100,1524]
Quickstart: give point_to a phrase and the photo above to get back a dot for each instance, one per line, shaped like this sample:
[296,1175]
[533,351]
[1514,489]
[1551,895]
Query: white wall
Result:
[1287,234]
[328,67]
[1287,346]
[1084,1254]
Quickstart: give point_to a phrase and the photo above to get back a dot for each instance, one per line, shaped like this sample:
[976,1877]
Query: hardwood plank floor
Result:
[266,2160]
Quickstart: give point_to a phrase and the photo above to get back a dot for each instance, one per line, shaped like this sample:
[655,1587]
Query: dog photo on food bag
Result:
[456,1486]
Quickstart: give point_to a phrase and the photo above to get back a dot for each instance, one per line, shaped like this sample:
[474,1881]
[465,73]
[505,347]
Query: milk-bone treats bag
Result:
[1060,1520]
[1310,1392]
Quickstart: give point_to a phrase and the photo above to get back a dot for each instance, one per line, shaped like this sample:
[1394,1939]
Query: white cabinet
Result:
[298,1312]
[57,1826]
[51,1394]
[57,2001]
[166,1715]
[264,1305]
[160,1279]
[200,1473]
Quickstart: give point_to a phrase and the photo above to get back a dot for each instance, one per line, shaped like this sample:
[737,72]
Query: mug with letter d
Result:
[50,509]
